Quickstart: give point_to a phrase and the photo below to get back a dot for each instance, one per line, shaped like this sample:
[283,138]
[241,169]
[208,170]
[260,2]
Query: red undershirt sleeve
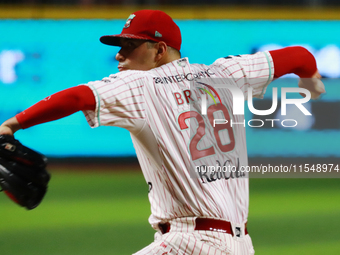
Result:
[296,59]
[58,105]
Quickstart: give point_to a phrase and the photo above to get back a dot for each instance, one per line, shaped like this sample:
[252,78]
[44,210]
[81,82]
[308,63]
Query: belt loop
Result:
[164,227]
[239,230]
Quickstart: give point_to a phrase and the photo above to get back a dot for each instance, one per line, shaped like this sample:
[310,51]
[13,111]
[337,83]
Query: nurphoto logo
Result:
[238,99]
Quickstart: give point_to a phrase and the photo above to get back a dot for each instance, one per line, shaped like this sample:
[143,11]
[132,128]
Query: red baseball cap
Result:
[150,25]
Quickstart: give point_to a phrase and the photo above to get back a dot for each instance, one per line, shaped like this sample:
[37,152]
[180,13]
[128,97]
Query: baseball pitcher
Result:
[157,95]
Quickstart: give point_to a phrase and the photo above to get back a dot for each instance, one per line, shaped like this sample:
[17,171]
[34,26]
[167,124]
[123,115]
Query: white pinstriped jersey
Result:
[171,136]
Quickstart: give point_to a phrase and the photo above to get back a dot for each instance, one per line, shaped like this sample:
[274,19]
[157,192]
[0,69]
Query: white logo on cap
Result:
[158,34]
[128,21]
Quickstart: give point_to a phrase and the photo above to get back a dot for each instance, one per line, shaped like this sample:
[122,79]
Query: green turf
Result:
[81,214]
[106,213]
[295,216]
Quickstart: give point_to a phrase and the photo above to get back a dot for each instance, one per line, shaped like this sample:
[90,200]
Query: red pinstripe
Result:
[134,96]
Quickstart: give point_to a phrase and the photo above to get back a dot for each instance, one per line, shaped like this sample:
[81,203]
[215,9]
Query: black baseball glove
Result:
[23,176]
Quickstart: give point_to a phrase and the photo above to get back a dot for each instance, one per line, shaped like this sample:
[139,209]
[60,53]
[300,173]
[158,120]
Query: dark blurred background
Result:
[177,2]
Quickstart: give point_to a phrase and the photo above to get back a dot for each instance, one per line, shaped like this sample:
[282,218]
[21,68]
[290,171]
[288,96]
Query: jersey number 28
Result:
[201,130]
